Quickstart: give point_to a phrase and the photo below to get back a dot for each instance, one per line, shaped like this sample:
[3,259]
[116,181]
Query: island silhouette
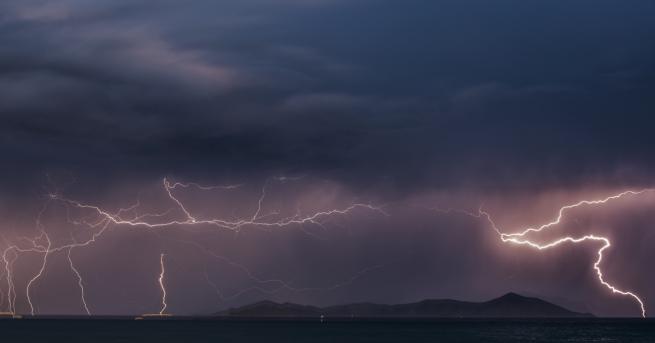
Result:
[510,305]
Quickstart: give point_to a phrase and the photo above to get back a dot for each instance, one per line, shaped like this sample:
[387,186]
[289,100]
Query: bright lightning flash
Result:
[520,237]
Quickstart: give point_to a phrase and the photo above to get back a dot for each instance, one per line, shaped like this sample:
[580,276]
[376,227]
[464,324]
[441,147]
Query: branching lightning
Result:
[99,220]
[520,238]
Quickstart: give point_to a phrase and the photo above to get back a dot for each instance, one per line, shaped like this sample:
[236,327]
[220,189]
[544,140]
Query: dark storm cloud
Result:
[419,93]
[521,104]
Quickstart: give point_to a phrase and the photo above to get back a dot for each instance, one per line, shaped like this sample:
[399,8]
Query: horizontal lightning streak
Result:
[222,223]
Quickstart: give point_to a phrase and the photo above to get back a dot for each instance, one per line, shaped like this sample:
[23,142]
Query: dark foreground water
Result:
[187,331]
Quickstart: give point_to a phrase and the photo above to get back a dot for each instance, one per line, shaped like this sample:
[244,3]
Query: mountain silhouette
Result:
[510,305]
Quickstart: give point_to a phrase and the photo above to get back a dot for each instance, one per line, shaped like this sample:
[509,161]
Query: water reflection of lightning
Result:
[99,220]
[520,238]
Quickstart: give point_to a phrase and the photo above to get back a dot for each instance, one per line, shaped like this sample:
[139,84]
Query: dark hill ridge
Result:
[510,305]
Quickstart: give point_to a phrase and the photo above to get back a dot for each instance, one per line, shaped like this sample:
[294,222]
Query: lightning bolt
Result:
[36,277]
[164,305]
[519,237]
[11,291]
[279,284]
[235,225]
[80,282]
[99,221]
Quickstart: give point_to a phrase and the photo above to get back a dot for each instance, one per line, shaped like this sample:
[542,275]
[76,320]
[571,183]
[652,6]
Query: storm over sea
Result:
[187,331]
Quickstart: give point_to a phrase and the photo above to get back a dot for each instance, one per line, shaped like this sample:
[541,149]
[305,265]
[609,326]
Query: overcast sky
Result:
[520,105]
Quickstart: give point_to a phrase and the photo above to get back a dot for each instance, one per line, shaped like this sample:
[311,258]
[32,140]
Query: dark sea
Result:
[187,331]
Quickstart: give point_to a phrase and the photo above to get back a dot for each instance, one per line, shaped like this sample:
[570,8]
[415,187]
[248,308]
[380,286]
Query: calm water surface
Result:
[187,331]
